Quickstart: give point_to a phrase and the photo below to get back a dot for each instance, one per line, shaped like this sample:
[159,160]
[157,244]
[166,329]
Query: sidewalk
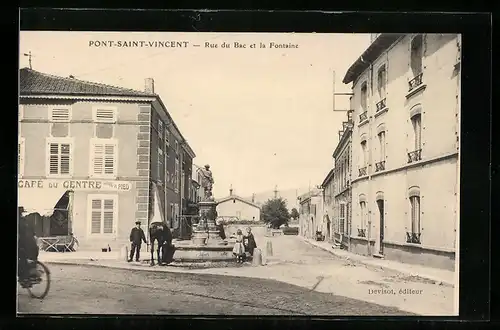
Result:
[440,276]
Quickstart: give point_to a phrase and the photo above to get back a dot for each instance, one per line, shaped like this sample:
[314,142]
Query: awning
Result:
[42,201]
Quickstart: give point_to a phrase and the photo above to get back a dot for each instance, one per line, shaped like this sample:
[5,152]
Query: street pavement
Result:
[298,263]
[92,290]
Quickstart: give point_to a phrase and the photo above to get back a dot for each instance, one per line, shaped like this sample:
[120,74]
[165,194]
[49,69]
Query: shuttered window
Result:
[176,176]
[104,114]
[342,218]
[60,115]
[59,157]
[20,156]
[103,213]
[104,157]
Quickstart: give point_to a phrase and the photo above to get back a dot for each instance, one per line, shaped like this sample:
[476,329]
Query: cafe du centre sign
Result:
[76,185]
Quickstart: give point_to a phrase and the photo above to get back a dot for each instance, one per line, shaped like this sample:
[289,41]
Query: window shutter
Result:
[98,154]
[96,216]
[60,115]
[108,216]
[53,158]
[65,158]
[105,115]
[109,159]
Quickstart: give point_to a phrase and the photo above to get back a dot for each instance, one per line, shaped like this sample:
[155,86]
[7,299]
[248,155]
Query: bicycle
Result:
[42,277]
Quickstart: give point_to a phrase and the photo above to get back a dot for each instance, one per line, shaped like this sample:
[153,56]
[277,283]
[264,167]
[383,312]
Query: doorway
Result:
[380,204]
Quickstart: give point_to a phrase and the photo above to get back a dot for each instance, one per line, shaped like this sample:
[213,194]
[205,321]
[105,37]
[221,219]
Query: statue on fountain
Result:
[207,181]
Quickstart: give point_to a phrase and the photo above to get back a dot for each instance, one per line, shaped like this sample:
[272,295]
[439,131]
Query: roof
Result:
[313,193]
[241,199]
[376,48]
[328,178]
[34,82]
[345,137]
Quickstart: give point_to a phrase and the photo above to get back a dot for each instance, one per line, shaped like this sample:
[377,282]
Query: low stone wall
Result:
[257,230]
[419,255]
[360,246]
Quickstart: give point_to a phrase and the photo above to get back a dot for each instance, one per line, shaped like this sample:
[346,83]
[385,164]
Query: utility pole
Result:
[276,192]
[29,57]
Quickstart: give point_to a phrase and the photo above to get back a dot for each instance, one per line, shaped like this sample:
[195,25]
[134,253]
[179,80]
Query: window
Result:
[167,137]
[59,157]
[381,81]
[104,114]
[363,215]
[160,132]
[364,158]
[176,176]
[104,155]
[20,156]
[60,114]
[381,140]
[161,166]
[415,214]
[342,226]
[416,121]
[177,148]
[104,118]
[416,55]
[59,118]
[364,97]
[103,210]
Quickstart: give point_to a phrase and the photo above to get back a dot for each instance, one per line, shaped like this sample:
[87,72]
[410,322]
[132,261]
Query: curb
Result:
[429,278]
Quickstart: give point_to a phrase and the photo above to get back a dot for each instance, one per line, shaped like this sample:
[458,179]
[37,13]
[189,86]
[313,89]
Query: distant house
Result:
[236,208]
[311,209]
[328,187]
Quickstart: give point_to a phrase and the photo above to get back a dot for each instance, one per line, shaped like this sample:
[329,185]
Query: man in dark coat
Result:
[27,246]
[136,238]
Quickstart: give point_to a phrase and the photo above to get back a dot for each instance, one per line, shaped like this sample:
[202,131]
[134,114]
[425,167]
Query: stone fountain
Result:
[206,243]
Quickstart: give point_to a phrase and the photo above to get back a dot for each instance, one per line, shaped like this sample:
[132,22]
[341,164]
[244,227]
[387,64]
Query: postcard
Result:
[220,173]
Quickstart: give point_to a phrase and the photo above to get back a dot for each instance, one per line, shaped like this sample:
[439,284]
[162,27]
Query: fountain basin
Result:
[190,251]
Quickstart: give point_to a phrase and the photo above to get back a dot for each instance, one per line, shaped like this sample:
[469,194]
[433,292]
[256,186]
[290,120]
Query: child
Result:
[239,248]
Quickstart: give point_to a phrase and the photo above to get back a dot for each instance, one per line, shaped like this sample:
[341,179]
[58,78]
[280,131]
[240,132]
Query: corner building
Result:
[89,159]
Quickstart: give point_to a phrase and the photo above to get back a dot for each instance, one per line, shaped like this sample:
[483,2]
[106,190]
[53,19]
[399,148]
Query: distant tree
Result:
[275,212]
[294,214]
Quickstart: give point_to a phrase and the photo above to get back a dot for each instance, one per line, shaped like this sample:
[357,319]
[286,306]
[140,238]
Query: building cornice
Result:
[146,99]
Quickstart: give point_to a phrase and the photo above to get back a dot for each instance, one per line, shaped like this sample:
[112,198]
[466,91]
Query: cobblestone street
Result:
[304,269]
[83,290]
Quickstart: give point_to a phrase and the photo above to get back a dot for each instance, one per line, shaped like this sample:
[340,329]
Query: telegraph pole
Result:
[276,192]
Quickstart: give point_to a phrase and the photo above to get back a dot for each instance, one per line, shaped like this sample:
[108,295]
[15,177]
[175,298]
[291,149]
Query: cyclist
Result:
[27,248]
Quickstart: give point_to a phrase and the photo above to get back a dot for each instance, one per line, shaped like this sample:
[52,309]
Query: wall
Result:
[230,209]
[438,98]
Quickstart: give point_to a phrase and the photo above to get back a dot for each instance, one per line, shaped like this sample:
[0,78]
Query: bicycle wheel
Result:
[39,289]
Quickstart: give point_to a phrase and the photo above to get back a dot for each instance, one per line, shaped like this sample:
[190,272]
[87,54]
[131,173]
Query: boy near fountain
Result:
[239,248]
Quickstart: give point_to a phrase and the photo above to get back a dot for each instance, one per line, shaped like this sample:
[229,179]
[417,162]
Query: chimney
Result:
[253,198]
[149,86]
[231,190]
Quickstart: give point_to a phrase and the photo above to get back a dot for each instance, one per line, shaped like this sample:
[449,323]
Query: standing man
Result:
[136,238]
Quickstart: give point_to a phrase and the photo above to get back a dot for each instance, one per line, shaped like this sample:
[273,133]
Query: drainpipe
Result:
[369,165]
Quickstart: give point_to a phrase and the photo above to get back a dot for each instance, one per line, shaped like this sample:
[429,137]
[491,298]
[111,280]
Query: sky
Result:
[261,117]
